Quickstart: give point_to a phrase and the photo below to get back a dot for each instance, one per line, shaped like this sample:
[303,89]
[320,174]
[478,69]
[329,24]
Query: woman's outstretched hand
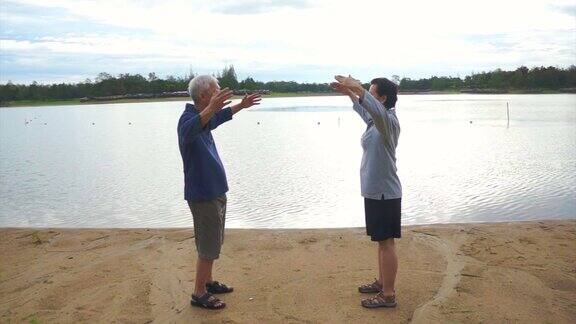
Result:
[339,87]
[348,84]
[348,81]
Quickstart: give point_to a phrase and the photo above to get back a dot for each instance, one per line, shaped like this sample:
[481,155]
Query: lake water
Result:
[291,163]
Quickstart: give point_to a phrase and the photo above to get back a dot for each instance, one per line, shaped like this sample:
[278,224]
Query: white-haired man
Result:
[205,184]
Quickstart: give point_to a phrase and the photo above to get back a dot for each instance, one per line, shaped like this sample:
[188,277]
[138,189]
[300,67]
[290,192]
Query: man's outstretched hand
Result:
[247,102]
[250,100]
[220,99]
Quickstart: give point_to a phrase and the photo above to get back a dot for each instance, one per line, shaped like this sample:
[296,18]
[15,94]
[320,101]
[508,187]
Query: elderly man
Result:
[205,184]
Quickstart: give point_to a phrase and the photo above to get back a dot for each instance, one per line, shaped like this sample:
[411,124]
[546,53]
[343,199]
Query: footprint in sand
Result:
[308,240]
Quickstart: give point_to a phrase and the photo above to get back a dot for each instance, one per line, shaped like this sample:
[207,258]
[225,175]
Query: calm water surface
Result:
[291,163]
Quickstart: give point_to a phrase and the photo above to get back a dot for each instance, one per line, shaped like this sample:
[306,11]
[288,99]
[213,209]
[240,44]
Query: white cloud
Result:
[449,35]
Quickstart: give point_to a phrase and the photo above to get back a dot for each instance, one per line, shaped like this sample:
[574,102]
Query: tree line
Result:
[523,78]
[538,78]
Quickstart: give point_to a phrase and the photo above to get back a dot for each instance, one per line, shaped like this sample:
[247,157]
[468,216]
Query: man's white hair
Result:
[199,84]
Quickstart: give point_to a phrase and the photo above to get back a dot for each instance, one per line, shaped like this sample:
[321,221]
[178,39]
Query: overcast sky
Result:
[71,40]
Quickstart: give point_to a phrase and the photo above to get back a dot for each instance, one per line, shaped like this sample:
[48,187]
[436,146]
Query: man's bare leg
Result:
[203,275]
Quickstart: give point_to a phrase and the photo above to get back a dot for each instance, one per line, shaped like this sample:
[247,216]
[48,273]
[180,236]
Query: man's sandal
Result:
[216,287]
[379,301]
[208,301]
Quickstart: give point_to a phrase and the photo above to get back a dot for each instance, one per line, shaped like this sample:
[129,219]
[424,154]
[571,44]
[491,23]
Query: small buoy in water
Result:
[45,123]
[258,123]
[93,124]
[318,123]
[129,123]
[470,122]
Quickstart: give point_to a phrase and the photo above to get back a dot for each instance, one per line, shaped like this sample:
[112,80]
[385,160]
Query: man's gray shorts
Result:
[209,219]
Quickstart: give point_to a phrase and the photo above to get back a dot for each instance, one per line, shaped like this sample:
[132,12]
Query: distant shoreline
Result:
[68,102]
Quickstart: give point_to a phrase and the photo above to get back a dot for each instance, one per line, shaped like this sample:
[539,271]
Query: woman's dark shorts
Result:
[383,218]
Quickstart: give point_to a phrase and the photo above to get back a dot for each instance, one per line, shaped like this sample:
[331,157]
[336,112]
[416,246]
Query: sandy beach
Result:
[495,273]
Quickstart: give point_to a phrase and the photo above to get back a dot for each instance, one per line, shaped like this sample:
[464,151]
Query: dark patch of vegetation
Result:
[535,80]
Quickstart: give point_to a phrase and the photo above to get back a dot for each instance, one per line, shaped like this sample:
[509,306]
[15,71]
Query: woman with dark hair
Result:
[380,184]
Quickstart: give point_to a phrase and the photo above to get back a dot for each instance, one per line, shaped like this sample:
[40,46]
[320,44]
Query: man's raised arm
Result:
[247,102]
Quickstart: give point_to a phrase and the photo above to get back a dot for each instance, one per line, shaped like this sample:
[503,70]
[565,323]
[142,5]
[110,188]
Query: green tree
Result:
[152,77]
[105,84]
[250,84]
[228,78]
